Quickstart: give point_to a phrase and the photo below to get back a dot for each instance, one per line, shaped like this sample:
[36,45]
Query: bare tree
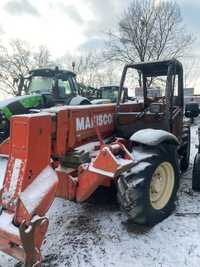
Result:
[90,68]
[87,68]
[42,57]
[16,60]
[15,63]
[191,72]
[148,31]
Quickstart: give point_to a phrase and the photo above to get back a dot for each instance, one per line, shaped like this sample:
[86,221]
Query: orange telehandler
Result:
[70,151]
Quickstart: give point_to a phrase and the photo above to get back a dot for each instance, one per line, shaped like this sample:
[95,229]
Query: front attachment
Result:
[32,236]
[23,242]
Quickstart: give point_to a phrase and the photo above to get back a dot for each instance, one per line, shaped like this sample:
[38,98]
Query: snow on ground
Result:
[90,235]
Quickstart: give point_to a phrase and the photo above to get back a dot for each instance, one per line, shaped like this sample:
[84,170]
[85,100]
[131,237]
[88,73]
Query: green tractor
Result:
[42,88]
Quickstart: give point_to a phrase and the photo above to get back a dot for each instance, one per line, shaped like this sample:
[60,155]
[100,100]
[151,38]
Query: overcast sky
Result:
[66,25]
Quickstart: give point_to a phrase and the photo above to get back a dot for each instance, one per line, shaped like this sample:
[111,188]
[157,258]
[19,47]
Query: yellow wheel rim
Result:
[161,186]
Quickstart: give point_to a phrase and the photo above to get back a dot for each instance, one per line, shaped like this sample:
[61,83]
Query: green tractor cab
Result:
[42,88]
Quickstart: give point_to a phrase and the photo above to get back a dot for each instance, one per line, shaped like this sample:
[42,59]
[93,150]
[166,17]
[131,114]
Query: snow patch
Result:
[100,171]
[14,177]
[6,224]
[84,107]
[124,162]
[152,136]
[87,147]
[33,195]
[141,155]
[32,115]
[140,167]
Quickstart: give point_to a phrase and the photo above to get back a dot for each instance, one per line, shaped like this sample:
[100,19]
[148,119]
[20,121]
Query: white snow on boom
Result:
[35,192]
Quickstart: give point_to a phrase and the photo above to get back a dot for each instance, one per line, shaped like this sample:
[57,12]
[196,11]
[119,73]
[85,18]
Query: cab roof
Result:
[48,72]
[157,68]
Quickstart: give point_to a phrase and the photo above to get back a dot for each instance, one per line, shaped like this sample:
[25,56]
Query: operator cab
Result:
[158,87]
[55,85]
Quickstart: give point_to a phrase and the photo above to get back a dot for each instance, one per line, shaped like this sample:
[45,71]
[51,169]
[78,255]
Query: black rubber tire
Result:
[185,149]
[133,188]
[196,173]
[5,132]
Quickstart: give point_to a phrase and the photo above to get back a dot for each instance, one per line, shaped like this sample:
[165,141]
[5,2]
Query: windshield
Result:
[110,93]
[41,84]
[62,86]
[136,82]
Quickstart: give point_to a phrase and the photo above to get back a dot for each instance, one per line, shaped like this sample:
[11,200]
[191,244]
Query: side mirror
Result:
[192,110]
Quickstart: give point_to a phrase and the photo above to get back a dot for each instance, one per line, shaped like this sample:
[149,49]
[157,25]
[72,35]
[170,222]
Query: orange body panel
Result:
[82,124]
[88,182]
[77,125]
[67,186]
[30,151]
[61,132]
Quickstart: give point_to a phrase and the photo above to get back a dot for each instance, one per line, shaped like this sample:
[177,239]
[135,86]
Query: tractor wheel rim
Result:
[161,186]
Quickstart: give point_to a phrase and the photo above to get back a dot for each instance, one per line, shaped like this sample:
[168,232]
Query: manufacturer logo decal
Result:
[85,123]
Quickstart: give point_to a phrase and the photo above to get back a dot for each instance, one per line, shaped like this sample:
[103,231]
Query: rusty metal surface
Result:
[31,237]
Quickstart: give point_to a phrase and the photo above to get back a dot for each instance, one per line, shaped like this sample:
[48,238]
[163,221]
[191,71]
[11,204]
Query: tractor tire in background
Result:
[185,149]
[196,173]
[147,194]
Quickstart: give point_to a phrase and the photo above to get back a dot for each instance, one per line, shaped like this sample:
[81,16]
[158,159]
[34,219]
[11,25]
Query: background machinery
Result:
[69,152]
[43,88]
[109,94]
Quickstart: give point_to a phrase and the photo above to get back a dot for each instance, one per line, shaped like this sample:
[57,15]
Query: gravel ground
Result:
[92,235]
